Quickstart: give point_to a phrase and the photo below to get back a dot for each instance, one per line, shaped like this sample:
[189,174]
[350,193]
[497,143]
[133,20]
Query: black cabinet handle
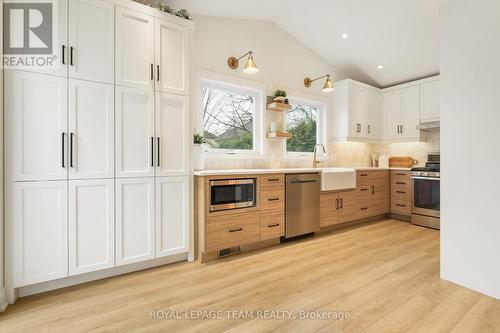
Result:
[152,74]
[273,225]
[336,203]
[401,183]
[63,55]
[235,230]
[158,151]
[369,129]
[401,192]
[399,205]
[364,208]
[63,157]
[157,72]
[273,199]
[373,189]
[273,179]
[363,175]
[341,203]
[152,151]
[71,55]
[71,135]
[401,129]
[364,190]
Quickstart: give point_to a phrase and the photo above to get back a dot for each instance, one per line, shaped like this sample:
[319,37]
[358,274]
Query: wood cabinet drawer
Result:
[371,175]
[232,230]
[272,200]
[401,207]
[401,184]
[272,225]
[272,180]
[395,174]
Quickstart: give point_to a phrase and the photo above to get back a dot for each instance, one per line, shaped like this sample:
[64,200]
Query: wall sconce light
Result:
[327,87]
[250,66]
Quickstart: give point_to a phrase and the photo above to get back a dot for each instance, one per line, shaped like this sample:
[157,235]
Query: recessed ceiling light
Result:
[344,36]
[380,67]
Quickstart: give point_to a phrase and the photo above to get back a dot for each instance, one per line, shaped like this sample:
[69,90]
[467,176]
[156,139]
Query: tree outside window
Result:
[302,122]
[228,119]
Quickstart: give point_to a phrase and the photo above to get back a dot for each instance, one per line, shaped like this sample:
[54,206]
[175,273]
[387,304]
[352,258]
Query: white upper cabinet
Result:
[40,232]
[429,101]
[410,98]
[172,135]
[392,114]
[91,40]
[135,132]
[402,113]
[135,220]
[134,51]
[172,215]
[171,57]
[357,109]
[36,117]
[91,225]
[91,130]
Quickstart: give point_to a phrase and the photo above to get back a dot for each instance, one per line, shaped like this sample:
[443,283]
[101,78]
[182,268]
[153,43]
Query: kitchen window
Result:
[305,122]
[231,117]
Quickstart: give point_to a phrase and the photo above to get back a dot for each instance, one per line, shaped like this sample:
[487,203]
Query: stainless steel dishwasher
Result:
[302,204]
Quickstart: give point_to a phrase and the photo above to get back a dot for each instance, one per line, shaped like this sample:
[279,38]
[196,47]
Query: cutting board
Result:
[402,162]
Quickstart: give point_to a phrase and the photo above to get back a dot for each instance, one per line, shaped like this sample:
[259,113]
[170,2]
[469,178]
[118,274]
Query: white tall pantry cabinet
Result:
[97,149]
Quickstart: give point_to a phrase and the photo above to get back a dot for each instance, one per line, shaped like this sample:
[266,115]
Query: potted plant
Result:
[198,152]
[280,96]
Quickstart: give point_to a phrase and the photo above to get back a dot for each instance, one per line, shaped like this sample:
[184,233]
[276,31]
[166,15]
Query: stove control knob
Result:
[425,174]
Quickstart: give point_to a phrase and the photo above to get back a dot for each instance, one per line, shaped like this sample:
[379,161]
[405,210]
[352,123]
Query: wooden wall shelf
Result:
[279,107]
[279,135]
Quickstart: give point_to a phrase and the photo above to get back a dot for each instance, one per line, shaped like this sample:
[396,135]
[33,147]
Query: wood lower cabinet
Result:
[372,193]
[401,192]
[272,206]
[229,231]
[337,208]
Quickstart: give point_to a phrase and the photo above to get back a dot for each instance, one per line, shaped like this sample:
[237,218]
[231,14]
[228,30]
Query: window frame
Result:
[320,129]
[245,87]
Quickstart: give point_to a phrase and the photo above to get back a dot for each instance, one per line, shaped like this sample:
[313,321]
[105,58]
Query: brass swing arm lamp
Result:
[250,66]
[327,87]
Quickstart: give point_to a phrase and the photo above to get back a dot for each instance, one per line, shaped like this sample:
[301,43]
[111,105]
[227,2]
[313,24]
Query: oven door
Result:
[426,196]
[232,194]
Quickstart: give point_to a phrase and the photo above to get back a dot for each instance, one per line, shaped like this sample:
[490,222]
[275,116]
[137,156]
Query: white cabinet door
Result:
[91,40]
[135,220]
[171,57]
[135,132]
[172,215]
[357,112]
[172,135]
[410,101]
[91,130]
[91,225]
[36,118]
[429,101]
[392,114]
[134,49]
[40,232]
[373,113]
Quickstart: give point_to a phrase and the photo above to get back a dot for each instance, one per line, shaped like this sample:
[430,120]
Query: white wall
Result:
[470,136]
[283,62]
[3,299]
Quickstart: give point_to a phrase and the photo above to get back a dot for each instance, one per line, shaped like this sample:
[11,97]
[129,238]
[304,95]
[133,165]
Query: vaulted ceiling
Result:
[400,35]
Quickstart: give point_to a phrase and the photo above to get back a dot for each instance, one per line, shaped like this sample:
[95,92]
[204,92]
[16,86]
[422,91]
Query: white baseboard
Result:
[3,299]
[105,273]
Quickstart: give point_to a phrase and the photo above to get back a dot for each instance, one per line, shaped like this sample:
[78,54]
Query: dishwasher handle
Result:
[295,181]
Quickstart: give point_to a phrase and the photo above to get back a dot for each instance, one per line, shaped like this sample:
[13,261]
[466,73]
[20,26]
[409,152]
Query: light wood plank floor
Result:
[385,275]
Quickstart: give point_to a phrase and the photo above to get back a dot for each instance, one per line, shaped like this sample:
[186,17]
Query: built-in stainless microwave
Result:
[232,194]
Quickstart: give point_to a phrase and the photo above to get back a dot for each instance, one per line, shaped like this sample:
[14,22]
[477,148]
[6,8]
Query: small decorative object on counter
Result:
[383,161]
[198,152]
[280,96]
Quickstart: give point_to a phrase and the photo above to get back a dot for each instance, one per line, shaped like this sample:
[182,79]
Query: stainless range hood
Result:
[429,126]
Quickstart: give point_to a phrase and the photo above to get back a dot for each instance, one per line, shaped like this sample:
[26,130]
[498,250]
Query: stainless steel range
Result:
[426,193]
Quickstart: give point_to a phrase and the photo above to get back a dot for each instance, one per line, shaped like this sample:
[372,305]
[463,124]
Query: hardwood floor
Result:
[384,275]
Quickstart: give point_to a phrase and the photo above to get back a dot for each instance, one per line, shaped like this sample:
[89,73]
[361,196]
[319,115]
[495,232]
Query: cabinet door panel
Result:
[36,109]
[134,132]
[91,37]
[135,218]
[91,127]
[392,114]
[348,206]
[429,101]
[172,131]
[40,232]
[172,215]
[411,112]
[134,49]
[373,113]
[357,100]
[172,57]
[328,209]
[91,225]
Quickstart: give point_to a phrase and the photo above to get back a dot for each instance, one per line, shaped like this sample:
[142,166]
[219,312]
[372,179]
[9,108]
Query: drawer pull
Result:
[401,183]
[401,174]
[273,199]
[401,192]
[273,225]
[363,175]
[364,208]
[235,230]
[273,179]
[364,190]
[399,205]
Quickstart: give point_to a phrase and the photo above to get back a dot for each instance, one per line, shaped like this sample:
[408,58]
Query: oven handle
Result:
[426,178]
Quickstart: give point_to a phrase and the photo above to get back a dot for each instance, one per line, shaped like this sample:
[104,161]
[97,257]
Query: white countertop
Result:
[282,170]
